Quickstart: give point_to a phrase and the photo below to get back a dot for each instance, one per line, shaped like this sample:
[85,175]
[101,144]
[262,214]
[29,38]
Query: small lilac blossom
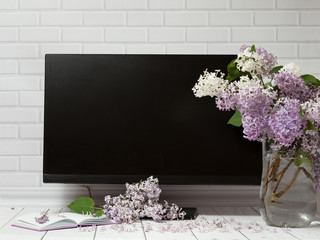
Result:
[43,218]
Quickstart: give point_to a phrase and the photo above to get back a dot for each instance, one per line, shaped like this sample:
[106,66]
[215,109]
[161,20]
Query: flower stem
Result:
[275,196]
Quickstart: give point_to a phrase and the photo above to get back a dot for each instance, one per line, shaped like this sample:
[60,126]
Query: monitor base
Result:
[191,213]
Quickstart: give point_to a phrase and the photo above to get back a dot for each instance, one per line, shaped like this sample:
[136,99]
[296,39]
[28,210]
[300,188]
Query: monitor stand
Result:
[191,213]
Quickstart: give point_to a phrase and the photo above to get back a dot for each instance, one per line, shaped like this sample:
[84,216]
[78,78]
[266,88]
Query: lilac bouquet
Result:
[141,200]
[272,103]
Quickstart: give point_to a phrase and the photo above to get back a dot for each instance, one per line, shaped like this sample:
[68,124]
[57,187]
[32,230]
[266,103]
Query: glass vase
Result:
[287,193]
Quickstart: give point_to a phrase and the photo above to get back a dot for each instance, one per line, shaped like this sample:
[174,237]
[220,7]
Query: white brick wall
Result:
[29,29]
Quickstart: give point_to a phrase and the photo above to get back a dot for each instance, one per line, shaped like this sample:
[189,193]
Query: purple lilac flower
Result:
[253,127]
[269,60]
[140,200]
[292,86]
[286,122]
[43,218]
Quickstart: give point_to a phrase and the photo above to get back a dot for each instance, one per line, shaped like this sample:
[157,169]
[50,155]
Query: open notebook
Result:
[60,221]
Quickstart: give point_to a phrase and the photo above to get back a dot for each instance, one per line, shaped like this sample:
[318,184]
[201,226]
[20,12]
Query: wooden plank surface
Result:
[13,233]
[250,224]
[121,231]
[212,226]
[168,230]
[7,214]
[311,232]
[225,223]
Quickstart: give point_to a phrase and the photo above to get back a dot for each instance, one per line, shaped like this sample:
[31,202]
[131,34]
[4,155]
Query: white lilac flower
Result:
[291,68]
[210,84]
[311,110]
[259,62]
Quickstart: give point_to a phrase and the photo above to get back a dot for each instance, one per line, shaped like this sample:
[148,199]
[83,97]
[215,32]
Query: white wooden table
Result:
[227,223]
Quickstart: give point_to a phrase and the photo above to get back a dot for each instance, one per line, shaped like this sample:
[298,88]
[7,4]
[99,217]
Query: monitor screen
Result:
[121,118]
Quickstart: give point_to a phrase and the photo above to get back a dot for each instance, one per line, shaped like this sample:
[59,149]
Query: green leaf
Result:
[268,84]
[82,205]
[302,159]
[275,69]
[235,120]
[301,113]
[253,48]
[310,126]
[99,213]
[233,71]
[309,79]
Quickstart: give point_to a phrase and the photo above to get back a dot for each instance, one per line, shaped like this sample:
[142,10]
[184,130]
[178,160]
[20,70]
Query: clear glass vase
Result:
[287,193]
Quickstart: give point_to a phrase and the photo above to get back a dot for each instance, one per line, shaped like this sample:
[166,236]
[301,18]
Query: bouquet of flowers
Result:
[272,103]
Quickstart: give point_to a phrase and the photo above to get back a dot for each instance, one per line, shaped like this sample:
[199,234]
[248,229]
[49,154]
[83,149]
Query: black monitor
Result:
[121,118]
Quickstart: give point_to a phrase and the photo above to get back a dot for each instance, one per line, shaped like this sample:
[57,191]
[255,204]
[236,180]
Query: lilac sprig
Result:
[141,200]
[284,112]
[43,218]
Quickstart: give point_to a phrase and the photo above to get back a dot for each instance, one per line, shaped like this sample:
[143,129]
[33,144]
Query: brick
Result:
[31,131]
[82,35]
[310,18]
[145,18]
[252,4]
[186,49]
[19,147]
[61,18]
[207,34]
[103,48]
[166,4]
[8,34]
[82,4]
[186,18]
[9,164]
[227,18]
[31,163]
[42,115]
[145,49]
[39,4]
[8,131]
[104,18]
[309,50]
[9,98]
[36,66]
[18,19]
[298,4]
[282,50]
[39,34]
[277,18]
[16,115]
[19,83]
[59,48]
[8,4]
[8,66]
[126,4]
[125,35]
[308,66]
[31,98]
[19,180]
[299,34]
[253,34]
[18,51]
[223,48]
[167,35]
[207,4]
